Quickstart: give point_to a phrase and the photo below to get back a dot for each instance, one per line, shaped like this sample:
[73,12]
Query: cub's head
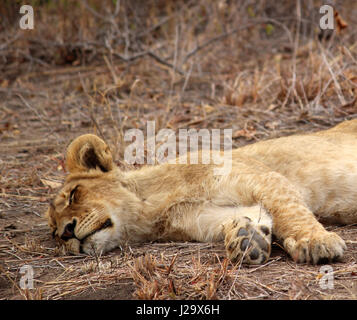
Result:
[89,213]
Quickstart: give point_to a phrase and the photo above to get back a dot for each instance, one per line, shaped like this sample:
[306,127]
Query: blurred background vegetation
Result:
[180,61]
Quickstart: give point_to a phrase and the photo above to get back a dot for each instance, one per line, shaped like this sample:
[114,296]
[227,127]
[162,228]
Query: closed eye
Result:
[71,195]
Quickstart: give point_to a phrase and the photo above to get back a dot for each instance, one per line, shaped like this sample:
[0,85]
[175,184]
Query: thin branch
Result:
[233,31]
[91,113]
[154,27]
[13,39]
[151,55]
[39,116]
[164,62]
[212,40]
[132,58]
[95,13]
[117,8]
[334,78]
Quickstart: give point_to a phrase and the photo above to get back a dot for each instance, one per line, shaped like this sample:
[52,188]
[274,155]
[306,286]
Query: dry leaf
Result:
[248,133]
[208,108]
[341,24]
[51,184]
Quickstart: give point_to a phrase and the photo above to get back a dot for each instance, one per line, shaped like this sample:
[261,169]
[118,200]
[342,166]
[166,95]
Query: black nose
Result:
[68,232]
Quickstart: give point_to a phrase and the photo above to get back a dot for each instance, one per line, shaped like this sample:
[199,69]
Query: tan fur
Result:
[277,187]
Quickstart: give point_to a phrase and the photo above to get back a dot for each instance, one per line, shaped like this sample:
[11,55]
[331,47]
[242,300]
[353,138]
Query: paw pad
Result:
[248,242]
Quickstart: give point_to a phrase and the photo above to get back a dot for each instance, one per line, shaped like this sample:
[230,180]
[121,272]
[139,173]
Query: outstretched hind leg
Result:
[248,236]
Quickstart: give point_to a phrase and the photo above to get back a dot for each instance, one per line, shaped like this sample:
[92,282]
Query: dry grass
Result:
[174,271]
[258,70]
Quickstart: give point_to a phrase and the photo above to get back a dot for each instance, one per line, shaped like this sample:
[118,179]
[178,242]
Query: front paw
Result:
[247,242]
[320,248]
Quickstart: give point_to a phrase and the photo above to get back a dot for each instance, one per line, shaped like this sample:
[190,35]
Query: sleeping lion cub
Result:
[275,187]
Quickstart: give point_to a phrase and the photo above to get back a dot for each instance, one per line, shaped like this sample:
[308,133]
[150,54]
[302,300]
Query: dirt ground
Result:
[182,65]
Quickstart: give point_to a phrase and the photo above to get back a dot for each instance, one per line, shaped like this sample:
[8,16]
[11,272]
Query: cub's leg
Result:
[304,238]
[247,237]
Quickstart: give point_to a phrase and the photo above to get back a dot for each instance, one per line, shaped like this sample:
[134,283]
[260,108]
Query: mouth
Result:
[107,224]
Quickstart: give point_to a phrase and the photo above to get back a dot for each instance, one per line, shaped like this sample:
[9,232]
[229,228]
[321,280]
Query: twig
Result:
[117,8]
[151,55]
[19,196]
[159,24]
[132,58]
[212,40]
[296,44]
[16,91]
[95,13]
[164,62]
[337,85]
[3,271]
[35,111]
[17,36]
[233,31]
[264,265]
[91,113]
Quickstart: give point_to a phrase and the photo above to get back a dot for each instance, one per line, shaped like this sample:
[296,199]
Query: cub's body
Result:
[277,187]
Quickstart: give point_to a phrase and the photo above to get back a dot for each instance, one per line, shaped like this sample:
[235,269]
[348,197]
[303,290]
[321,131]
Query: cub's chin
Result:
[98,243]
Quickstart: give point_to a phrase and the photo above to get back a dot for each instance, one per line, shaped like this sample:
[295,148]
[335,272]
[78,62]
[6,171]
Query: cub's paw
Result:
[247,241]
[320,248]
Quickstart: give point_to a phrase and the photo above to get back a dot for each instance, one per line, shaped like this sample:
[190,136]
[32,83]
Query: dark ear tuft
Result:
[88,152]
[91,160]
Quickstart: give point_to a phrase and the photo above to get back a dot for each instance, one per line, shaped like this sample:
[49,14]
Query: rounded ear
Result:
[88,152]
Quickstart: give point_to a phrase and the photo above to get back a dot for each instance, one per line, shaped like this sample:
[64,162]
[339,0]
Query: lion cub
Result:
[281,186]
